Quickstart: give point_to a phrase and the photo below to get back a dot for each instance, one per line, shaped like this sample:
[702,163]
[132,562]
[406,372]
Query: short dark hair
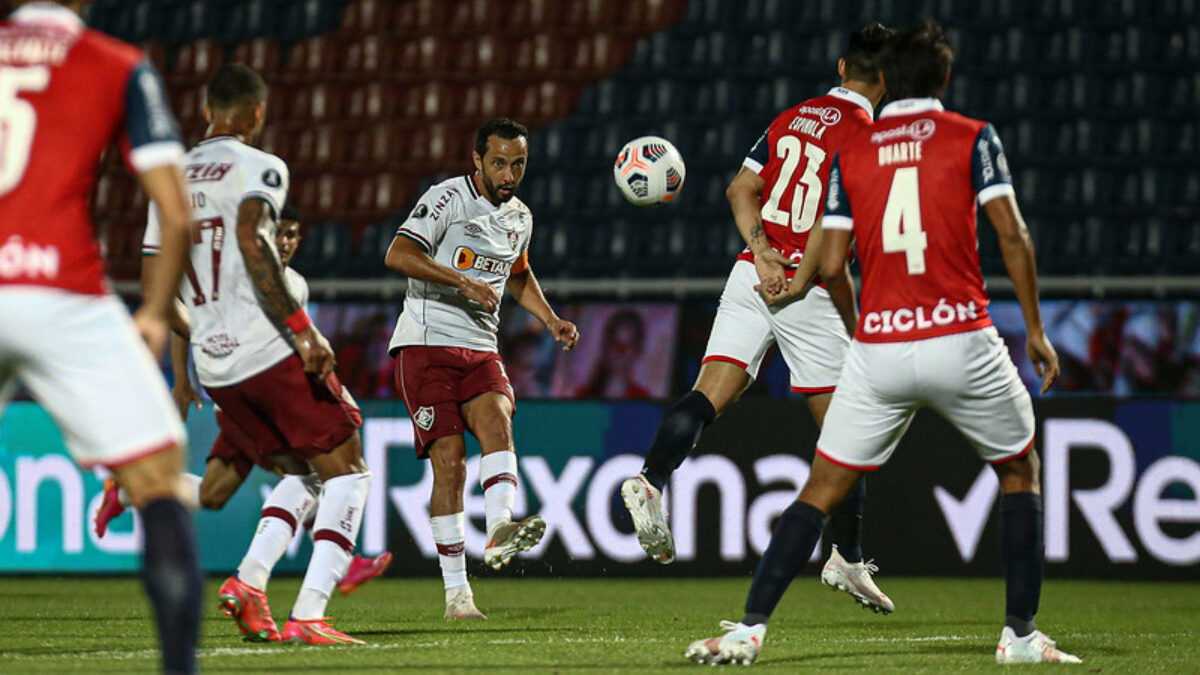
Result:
[503,127]
[862,51]
[235,85]
[290,213]
[916,61]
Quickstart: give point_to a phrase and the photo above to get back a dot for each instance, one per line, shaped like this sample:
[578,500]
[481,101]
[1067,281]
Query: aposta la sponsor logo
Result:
[918,130]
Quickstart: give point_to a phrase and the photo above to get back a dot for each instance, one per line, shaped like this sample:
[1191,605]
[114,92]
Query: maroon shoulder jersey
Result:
[793,157]
[66,93]
[908,191]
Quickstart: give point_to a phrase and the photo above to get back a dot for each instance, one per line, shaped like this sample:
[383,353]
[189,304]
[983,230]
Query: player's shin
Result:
[677,434]
[845,524]
[282,512]
[339,516]
[1021,530]
[449,533]
[796,534]
[171,573]
[498,477]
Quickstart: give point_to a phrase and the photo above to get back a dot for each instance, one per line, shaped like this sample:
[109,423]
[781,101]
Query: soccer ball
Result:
[649,170]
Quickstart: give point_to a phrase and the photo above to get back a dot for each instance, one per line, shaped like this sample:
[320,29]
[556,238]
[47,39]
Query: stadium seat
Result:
[262,55]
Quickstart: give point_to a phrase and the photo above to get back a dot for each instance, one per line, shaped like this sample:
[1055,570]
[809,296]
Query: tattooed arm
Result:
[745,200]
[256,239]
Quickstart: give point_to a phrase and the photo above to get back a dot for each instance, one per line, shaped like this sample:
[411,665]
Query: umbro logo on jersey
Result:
[424,417]
[271,178]
[208,172]
[472,230]
[466,259]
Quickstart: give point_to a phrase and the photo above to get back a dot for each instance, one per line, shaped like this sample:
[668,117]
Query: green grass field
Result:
[604,625]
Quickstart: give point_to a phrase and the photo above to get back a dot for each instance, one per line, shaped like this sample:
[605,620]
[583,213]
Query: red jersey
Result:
[793,157]
[66,93]
[908,192]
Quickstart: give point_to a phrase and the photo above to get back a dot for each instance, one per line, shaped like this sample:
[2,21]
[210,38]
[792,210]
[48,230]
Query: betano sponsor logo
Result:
[467,259]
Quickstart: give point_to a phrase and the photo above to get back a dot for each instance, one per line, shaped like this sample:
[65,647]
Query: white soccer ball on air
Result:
[649,170]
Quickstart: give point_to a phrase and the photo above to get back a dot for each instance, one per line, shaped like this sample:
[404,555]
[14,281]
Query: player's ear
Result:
[207,115]
[478,161]
[842,68]
[259,111]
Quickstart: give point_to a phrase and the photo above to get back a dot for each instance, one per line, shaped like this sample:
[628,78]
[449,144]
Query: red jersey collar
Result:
[911,106]
[48,13]
[853,97]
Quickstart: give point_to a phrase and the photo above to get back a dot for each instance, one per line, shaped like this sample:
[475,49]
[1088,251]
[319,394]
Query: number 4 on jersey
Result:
[902,220]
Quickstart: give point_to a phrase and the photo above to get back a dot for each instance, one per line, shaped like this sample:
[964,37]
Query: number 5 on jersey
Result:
[902,220]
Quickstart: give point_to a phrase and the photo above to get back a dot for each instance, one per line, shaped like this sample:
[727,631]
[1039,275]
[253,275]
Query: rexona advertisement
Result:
[1121,489]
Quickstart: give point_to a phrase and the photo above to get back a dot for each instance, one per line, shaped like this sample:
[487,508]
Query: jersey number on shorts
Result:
[806,199]
[902,231]
[18,121]
[218,241]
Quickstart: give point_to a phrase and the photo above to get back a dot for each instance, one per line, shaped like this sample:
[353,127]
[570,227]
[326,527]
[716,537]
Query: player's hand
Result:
[770,265]
[1044,358]
[153,330]
[793,291]
[315,351]
[563,331]
[185,397]
[481,293]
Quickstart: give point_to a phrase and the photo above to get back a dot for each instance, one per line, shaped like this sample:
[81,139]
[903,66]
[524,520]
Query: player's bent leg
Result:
[170,566]
[720,384]
[221,481]
[489,417]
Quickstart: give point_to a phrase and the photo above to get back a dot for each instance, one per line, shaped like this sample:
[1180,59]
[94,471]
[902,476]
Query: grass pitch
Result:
[601,625]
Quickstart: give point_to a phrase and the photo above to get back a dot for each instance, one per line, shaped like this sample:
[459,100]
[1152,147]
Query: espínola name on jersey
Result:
[467,259]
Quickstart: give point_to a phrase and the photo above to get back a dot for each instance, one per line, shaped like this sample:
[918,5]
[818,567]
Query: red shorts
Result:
[435,381]
[283,410]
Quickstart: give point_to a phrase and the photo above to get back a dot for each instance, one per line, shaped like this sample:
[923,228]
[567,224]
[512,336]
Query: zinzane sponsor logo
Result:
[19,260]
[467,259]
[918,130]
[905,320]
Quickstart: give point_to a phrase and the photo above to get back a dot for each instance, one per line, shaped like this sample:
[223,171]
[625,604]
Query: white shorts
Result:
[85,363]
[967,377]
[809,332]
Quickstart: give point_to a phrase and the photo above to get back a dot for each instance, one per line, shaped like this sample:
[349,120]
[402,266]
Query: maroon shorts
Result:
[435,381]
[284,410]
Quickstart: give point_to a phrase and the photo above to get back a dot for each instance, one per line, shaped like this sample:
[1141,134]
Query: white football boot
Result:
[508,539]
[460,604]
[855,579]
[1036,647]
[739,645]
[645,504]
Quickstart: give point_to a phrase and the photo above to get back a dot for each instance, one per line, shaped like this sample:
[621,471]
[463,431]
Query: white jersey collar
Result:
[853,97]
[911,106]
[50,13]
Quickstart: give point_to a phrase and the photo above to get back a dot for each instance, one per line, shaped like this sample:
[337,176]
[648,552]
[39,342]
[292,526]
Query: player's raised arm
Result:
[526,290]
[745,200]
[408,256]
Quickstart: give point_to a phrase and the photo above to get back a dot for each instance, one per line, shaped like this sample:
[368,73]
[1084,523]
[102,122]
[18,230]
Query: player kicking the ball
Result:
[229,463]
[260,358]
[777,200]
[906,192]
[467,239]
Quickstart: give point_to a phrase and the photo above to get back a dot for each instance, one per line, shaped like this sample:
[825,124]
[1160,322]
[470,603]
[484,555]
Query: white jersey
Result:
[297,285]
[461,229]
[232,339]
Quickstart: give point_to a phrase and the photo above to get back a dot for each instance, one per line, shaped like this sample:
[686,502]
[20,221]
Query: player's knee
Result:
[449,470]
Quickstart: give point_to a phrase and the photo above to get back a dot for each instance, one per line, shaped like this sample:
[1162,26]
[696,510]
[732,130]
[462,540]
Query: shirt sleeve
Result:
[152,239]
[427,223]
[759,154]
[151,137]
[990,176]
[267,181]
[837,206]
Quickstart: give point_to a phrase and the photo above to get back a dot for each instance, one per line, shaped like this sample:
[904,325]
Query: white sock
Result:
[281,514]
[449,534]
[498,476]
[339,516]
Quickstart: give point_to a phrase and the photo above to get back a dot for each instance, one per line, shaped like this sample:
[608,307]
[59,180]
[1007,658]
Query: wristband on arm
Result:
[298,321]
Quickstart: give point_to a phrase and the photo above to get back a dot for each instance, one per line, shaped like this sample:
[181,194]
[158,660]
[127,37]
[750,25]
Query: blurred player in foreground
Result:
[263,362]
[229,464]
[906,192]
[776,200]
[467,239]
[66,93]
